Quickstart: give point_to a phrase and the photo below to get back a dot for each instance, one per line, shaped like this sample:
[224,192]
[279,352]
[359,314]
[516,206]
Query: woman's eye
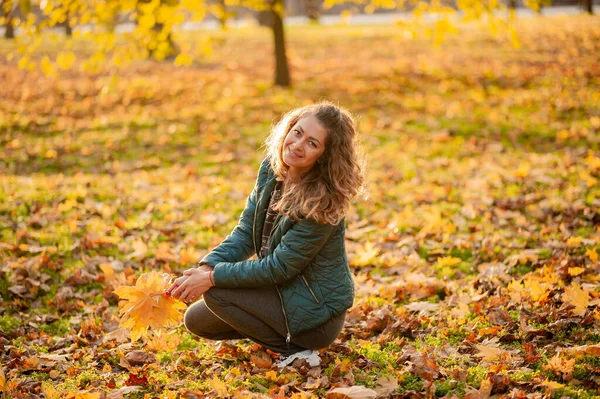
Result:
[313,145]
[297,132]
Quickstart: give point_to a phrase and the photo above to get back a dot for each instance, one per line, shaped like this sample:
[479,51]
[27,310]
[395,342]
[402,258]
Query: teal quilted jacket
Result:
[307,261]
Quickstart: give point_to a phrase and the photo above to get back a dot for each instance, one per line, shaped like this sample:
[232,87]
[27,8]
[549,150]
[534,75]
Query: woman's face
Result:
[304,144]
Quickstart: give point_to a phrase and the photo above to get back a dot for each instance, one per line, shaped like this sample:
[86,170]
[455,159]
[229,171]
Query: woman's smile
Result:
[293,154]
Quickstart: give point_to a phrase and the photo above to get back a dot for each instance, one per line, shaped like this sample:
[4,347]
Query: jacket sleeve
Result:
[239,245]
[298,246]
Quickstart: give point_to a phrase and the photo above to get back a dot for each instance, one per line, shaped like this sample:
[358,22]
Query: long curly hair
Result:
[326,191]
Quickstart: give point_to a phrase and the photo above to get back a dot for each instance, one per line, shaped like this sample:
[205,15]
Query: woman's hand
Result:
[192,284]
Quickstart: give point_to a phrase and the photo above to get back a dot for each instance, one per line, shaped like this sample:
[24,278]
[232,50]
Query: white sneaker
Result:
[310,355]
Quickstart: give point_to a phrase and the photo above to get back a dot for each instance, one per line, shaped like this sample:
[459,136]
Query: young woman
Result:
[294,297]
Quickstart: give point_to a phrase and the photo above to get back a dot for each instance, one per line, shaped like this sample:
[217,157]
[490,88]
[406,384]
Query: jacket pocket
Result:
[310,289]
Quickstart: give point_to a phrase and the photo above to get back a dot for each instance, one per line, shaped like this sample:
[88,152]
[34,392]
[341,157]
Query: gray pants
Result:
[256,314]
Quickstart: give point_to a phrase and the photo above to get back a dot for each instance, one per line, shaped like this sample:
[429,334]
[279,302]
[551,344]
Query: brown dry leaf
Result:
[386,385]
[592,350]
[485,388]
[120,335]
[139,358]
[422,307]
[528,255]
[489,350]
[577,297]
[146,305]
[261,359]
[353,392]
[120,393]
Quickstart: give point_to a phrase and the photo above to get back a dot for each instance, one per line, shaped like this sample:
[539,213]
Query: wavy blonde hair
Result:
[326,191]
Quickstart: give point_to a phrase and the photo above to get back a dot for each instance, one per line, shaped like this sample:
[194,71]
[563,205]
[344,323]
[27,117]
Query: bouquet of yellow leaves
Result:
[148,305]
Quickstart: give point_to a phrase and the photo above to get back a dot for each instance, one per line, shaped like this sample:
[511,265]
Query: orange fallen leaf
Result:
[560,365]
[109,272]
[163,252]
[353,392]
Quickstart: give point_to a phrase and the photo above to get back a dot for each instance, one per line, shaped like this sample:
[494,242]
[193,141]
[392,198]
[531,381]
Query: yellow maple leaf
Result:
[164,341]
[271,375]
[366,255]
[573,242]
[218,386]
[523,169]
[552,384]
[534,287]
[145,305]
[83,395]
[576,271]
[578,297]
[448,261]
[50,392]
[592,254]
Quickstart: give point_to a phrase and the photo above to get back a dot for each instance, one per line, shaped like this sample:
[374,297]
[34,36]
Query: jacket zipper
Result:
[254,225]
[288,338]
[310,289]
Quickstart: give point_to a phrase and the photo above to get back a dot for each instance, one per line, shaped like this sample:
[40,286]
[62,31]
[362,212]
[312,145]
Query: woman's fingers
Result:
[176,283]
[187,296]
[176,293]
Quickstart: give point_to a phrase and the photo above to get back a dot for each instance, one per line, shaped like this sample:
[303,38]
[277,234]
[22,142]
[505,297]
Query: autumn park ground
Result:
[475,256]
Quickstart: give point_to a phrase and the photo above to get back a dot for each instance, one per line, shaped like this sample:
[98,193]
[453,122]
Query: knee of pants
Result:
[193,322]
[212,298]
[188,320]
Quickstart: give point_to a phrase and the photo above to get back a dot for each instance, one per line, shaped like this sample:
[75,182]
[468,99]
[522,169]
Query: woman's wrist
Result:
[212,278]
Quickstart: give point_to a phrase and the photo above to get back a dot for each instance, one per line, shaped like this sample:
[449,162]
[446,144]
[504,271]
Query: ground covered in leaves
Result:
[475,256]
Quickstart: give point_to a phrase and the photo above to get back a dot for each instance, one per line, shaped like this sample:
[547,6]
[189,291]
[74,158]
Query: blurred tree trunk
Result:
[512,4]
[282,72]
[223,18]
[68,28]
[588,6]
[6,11]
[313,10]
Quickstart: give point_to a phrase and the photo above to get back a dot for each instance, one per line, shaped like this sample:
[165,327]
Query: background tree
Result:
[154,22]
[588,6]
[7,9]
[313,10]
